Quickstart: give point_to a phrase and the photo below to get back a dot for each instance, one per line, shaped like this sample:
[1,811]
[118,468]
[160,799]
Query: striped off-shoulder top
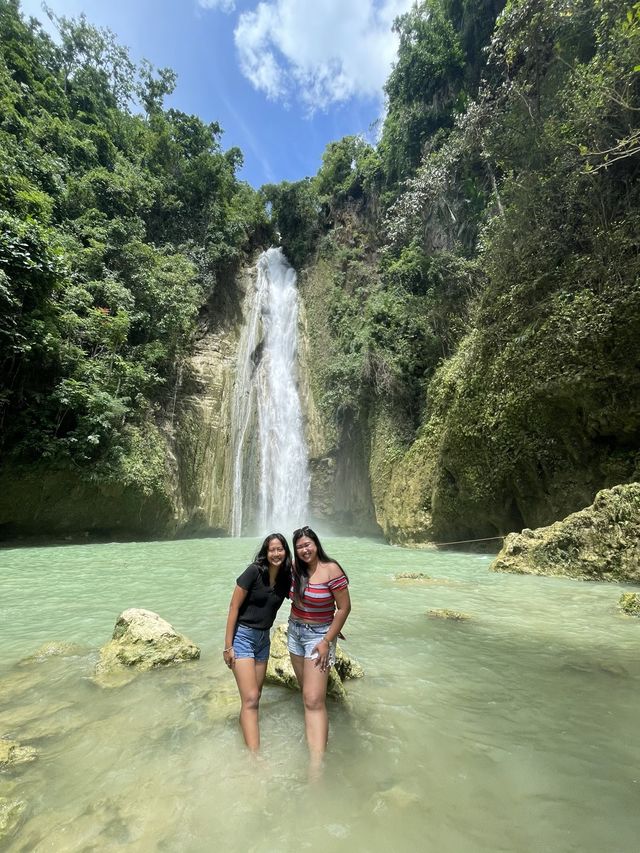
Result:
[317,604]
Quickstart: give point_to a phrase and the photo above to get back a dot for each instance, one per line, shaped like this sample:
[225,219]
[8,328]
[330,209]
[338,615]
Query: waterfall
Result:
[270,481]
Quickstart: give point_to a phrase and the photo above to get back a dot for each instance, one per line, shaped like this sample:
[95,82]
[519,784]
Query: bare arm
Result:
[239,595]
[343,608]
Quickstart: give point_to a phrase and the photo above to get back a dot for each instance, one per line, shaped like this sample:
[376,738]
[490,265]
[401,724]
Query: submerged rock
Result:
[36,724]
[10,813]
[53,649]
[141,640]
[422,579]
[454,615]
[411,576]
[12,753]
[601,542]
[280,670]
[630,603]
[396,798]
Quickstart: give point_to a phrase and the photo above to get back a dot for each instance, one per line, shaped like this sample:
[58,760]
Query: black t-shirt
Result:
[259,608]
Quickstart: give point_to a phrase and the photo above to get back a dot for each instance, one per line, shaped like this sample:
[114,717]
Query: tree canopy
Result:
[116,226]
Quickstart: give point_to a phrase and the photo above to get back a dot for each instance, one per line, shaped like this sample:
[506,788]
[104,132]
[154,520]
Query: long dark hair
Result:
[300,568]
[283,578]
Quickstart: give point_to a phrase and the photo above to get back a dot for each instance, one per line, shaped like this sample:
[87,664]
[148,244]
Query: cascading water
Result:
[270,486]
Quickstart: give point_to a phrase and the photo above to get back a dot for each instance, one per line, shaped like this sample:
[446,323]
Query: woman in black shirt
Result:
[259,593]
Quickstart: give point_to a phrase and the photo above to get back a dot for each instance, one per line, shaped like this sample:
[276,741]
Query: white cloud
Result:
[222,5]
[322,52]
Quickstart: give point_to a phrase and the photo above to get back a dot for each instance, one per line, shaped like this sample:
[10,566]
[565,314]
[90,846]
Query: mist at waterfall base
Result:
[270,480]
[513,731]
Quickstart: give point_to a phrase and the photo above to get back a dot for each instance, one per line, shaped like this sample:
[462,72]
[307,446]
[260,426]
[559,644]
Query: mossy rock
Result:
[411,576]
[600,542]
[280,670]
[630,603]
[43,501]
[453,615]
[12,753]
[346,667]
[142,640]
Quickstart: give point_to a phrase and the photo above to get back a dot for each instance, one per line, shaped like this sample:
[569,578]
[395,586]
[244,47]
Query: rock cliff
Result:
[601,542]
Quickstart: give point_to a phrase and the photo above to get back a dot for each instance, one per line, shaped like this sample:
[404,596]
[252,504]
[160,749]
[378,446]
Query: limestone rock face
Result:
[280,670]
[601,542]
[340,490]
[401,479]
[44,501]
[12,753]
[202,433]
[142,640]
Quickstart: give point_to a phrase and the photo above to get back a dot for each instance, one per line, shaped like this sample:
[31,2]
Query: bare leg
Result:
[249,676]
[316,720]
[313,683]
[297,662]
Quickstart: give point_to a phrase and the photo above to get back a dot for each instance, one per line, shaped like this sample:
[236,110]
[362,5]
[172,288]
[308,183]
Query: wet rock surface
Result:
[280,671]
[411,576]
[11,811]
[453,615]
[600,542]
[54,649]
[12,753]
[630,603]
[142,640]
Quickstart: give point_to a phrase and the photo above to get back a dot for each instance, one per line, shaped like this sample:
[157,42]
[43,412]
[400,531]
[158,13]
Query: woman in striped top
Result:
[320,606]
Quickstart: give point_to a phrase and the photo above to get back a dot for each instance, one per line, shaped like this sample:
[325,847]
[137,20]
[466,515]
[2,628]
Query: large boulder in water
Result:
[280,669]
[141,640]
[601,542]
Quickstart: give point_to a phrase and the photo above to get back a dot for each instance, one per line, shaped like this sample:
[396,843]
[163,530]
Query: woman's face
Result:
[275,553]
[306,549]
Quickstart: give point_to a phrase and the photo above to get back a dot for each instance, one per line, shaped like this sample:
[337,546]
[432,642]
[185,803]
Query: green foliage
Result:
[114,230]
[295,214]
[424,88]
[383,342]
[545,409]
[504,311]
[351,173]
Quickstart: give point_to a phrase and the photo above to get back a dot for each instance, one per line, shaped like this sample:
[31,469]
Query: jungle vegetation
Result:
[486,283]
[118,220]
[480,258]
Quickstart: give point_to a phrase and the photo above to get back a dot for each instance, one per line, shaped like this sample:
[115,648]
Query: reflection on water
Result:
[515,730]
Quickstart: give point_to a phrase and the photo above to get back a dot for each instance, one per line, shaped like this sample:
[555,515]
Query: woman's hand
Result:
[322,652]
[229,657]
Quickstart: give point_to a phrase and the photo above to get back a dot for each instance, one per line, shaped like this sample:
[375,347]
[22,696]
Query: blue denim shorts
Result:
[303,638]
[251,643]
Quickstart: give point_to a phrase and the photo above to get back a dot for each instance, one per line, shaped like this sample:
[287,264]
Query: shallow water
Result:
[515,730]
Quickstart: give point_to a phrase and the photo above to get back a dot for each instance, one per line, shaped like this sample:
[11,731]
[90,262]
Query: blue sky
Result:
[282,77]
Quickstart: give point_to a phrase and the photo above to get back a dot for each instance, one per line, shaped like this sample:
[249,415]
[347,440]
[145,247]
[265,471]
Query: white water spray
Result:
[270,485]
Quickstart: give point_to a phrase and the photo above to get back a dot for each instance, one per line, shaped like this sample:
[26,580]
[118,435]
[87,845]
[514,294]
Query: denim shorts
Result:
[251,643]
[303,638]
